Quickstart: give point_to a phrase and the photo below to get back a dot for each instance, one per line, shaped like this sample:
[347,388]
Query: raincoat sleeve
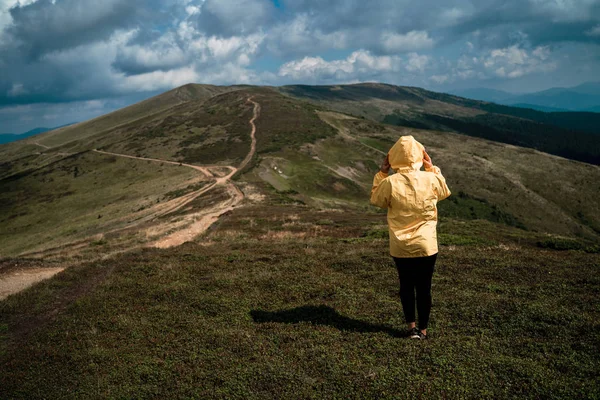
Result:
[381,192]
[441,189]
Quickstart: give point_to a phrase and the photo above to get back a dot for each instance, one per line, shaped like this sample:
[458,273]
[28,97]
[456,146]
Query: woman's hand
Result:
[427,163]
[385,167]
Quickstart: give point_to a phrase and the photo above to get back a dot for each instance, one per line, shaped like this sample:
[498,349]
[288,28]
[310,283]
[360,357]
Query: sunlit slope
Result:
[140,110]
[82,197]
[48,147]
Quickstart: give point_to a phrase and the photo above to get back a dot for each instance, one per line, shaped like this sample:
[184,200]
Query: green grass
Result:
[295,297]
[464,206]
[560,243]
[81,196]
[378,144]
[448,239]
[287,123]
[499,183]
[305,317]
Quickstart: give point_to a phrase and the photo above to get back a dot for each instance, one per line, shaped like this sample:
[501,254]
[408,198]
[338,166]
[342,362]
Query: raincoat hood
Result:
[406,154]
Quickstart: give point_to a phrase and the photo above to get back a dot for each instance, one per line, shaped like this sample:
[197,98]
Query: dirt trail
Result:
[193,224]
[41,145]
[20,279]
[205,220]
[202,169]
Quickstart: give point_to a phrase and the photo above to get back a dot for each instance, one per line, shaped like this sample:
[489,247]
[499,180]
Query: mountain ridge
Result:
[12,137]
[307,153]
[583,97]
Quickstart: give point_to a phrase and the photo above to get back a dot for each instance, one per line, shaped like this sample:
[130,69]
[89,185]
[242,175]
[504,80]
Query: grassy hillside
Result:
[305,154]
[291,292]
[132,113]
[289,302]
[83,196]
[501,183]
[47,147]
[570,135]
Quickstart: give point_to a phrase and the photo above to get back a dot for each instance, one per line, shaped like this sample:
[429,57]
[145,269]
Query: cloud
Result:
[163,54]
[233,17]
[50,25]
[594,32]
[565,10]
[514,62]
[399,43]
[440,79]
[300,36]
[17,90]
[72,51]
[158,80]
[358,65]
[417,63]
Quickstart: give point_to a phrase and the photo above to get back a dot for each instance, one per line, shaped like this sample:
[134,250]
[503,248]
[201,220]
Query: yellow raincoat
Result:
[411,197]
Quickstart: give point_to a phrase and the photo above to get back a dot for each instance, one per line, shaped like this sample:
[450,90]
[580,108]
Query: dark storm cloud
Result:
[45,26]
[81,50]
[495,21]
[235,16]
[52,51]
[498,23]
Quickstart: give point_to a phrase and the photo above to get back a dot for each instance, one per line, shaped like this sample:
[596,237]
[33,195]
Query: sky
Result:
[65,61]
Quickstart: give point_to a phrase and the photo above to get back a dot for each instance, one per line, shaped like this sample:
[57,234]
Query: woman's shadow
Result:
[322,315]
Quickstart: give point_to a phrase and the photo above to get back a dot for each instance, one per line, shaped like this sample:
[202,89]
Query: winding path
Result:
[203,220]
[18,280]
[206,220]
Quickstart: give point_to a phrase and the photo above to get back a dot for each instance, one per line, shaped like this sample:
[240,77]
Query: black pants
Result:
[415,276]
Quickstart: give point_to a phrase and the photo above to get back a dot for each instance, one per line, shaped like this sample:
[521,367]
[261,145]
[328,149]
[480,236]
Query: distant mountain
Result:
[538,107]
[584,97]
[588,88]
[571,135]
[484,94]
[567,99]
[11,137]
[595,109]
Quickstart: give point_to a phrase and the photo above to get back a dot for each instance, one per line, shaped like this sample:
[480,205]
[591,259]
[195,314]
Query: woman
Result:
[410,196]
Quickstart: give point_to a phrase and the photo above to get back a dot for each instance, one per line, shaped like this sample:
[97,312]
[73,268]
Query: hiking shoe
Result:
[413,333]
[420,335]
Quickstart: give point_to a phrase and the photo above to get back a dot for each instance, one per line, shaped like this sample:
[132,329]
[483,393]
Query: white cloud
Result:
[163,54]
[514,62]
[359,64]
[298,36]
[157,80]
[413,40]
[192,10]
[5,18]
[565,10]
[219,49]
[417,63]
[594,32]
[505,63]
[17,90]
[440,79]
[452,16]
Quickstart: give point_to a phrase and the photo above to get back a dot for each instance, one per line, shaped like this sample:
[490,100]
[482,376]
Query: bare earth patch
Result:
[19,279]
